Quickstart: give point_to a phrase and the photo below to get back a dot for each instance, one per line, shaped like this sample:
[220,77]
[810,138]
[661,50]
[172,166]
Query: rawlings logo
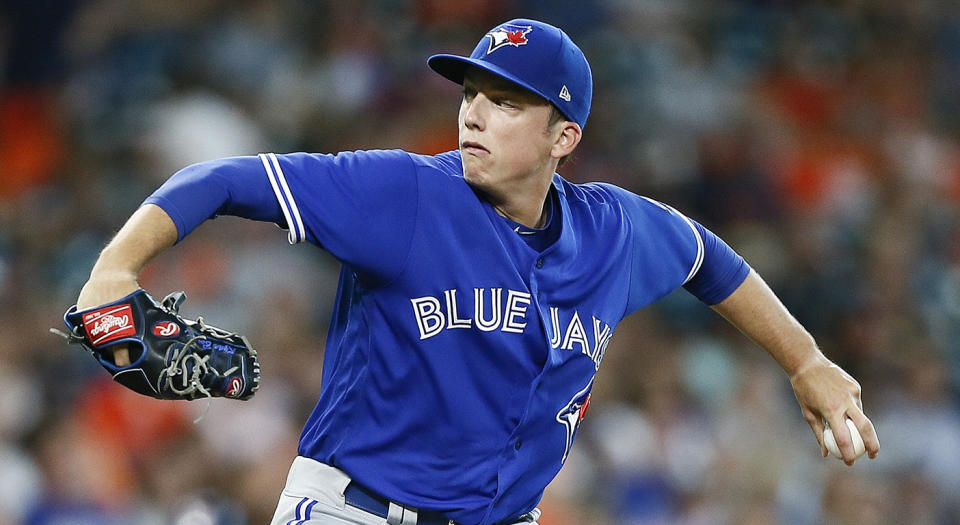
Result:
[508,35]
[108,324]
[166,329]
[234,388]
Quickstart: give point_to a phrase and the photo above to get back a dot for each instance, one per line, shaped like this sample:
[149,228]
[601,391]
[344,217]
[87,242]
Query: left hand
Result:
[827,393]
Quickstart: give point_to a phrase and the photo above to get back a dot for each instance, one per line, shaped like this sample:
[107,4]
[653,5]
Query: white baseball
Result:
[830,441]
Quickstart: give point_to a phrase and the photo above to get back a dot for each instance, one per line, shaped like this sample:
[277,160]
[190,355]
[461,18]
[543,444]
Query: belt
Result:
[356,495]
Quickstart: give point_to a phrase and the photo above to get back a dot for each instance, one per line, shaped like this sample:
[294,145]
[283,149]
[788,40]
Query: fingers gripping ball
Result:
[831,442]
[171,357]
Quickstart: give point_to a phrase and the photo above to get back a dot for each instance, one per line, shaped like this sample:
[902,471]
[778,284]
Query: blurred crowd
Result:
[819,138]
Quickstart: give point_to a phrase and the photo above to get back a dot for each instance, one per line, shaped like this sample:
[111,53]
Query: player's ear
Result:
[567,140]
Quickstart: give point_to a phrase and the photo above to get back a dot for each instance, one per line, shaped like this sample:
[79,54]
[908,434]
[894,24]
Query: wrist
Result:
[814,360]
[106,284]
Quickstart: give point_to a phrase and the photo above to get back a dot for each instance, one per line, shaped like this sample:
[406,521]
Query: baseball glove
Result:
[171,357]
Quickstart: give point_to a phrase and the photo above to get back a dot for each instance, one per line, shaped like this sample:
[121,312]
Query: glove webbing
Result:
[191,380]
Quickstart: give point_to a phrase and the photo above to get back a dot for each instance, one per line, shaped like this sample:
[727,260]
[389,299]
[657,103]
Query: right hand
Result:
[827,393]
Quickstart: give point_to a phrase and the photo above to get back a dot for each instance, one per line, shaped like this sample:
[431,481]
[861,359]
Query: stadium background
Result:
[819,138]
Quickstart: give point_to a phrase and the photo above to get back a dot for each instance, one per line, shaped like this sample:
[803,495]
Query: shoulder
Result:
[607,198]
[344,159]
[605,205]
[377,161]
[372,157]
[447,163]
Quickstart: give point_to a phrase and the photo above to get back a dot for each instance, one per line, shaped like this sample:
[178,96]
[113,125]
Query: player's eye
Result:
[469,93]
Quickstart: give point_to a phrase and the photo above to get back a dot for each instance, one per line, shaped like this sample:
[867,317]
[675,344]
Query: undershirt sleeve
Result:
[231,186]
[360,206]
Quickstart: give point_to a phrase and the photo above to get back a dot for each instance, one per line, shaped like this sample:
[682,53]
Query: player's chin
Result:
[473,173]
[476,178]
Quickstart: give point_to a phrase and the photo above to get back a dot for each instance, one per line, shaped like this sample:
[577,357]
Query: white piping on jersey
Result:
[296,232]
[658,204]
[700,249]
[276,192]
[301,231]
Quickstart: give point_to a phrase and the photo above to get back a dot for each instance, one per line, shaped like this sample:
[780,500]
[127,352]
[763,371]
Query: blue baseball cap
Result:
[534,55]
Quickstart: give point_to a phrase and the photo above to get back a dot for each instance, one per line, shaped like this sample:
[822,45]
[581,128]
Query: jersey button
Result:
[517,445]
[540,262]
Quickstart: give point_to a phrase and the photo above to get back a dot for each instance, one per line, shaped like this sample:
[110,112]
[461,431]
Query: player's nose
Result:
[472,112]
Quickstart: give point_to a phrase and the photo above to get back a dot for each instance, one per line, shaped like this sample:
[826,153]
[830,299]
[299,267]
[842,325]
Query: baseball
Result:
[830,441]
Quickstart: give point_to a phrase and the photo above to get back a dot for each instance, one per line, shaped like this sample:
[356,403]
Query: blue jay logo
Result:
[572,414]
[507,35]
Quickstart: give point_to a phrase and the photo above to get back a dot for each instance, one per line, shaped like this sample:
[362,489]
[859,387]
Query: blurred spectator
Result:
[818,138]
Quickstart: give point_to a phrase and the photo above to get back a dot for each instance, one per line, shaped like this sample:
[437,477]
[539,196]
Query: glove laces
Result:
[72,337]
[190,376]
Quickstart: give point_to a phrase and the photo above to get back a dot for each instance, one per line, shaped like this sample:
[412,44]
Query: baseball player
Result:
[478,293]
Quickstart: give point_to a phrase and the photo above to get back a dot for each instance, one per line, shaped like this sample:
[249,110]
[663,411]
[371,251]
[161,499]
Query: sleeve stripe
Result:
[283,203]
[295,211]
[295,229]
[700,250]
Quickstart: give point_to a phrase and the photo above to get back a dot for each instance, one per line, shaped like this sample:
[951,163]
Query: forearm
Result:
[232,186]
[824,391]
[147,233]
[757,312]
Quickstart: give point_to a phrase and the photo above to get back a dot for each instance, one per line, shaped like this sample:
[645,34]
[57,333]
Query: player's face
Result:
[504,132]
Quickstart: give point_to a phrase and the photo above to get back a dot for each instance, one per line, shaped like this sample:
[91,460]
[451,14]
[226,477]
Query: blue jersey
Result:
[460,357]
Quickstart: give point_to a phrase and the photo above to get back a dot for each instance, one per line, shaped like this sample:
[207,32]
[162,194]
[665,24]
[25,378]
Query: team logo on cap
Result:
[508,35]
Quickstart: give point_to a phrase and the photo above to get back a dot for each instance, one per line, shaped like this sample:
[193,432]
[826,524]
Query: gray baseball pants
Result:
[314,493]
